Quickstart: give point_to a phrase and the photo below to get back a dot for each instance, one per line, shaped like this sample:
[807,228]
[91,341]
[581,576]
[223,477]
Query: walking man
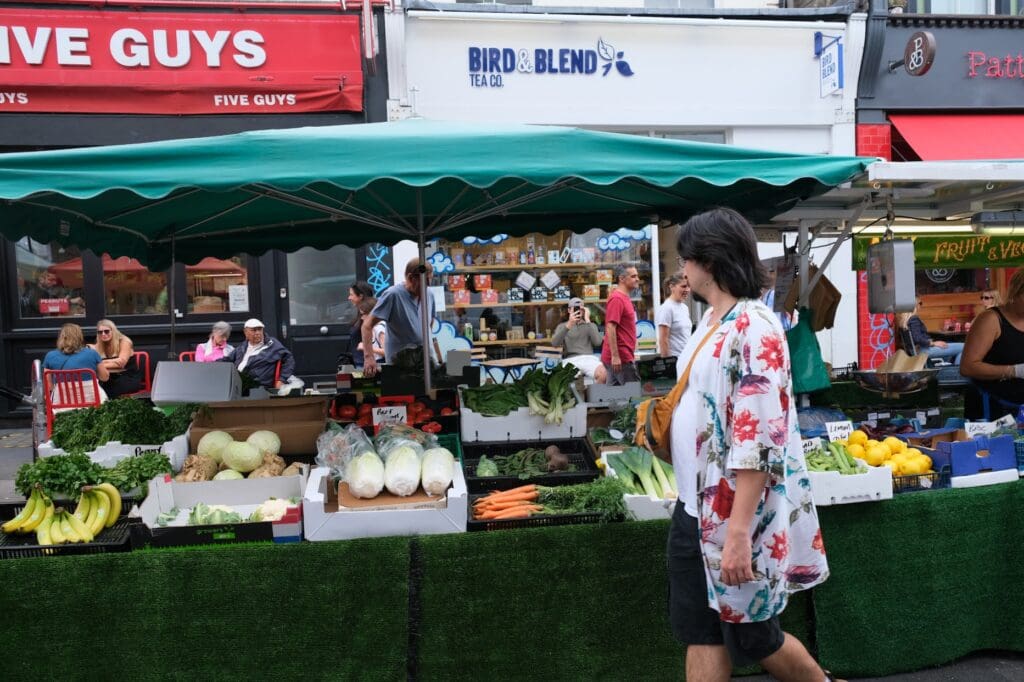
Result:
[619,349]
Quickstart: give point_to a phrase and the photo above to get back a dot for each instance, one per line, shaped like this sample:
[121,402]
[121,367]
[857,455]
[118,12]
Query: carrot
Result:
[499,494]
[498,506]
[529,497]
[517,512]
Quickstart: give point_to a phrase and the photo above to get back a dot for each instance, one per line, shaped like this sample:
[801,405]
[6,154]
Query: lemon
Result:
[924,463]
[894,466]
[858,437]
[895,444]
[927,460]
[856,450]
[911,466]
[876,454]
[870,441]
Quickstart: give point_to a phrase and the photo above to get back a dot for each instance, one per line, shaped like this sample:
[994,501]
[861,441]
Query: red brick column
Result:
[874,139]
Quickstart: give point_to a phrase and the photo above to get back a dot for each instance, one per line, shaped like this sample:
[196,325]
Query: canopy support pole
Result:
[424,292]
[171,302]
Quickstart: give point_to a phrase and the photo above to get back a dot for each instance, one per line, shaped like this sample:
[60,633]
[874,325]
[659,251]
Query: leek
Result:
[639,462]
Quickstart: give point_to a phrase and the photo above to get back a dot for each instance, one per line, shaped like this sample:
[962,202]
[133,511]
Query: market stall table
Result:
[500,370]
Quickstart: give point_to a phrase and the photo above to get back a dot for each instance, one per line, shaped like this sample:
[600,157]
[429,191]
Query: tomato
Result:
[425,415]
[431,427]
[417,407]
[365,409]
[447,411]
[347,412]
[365,420]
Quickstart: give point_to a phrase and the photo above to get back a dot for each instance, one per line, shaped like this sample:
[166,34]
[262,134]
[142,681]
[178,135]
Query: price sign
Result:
[922,417]
[839,430]
[811,444]
[979,428]
[390,414]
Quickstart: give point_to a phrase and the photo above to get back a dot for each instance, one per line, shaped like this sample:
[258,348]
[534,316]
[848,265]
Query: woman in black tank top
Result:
[994,351]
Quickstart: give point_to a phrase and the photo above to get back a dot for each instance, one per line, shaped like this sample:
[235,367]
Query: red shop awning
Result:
[952,137]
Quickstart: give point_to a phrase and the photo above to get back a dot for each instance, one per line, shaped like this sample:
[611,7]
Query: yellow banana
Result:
[43,531]
[66,530]
[95,520]
[56,536]
[30,506]
[82,511]
[44,510]
[115,502]
[79,528]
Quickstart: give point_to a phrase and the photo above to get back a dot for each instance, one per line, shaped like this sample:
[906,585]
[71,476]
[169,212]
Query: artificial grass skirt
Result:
[922,579]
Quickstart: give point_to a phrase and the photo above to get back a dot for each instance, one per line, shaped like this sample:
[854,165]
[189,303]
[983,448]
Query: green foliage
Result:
[59,476]
[526,463]
[135,472]
[603,496]
[126,420]
[495,400]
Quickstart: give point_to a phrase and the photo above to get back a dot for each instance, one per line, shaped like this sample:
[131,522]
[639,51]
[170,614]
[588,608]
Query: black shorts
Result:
[693,621]
[624,376]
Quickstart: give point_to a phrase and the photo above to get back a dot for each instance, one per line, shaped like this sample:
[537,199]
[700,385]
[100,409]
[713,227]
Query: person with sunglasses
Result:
[117,351]
[990,298]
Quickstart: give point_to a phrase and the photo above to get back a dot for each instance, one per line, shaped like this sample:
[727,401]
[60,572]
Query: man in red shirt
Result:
[619,349]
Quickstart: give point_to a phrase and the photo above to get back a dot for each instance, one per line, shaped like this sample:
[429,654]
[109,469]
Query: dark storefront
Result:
[75,75]
[941,88]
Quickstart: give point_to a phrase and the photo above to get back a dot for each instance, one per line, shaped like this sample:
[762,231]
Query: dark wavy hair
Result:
[723,242]
[360,288]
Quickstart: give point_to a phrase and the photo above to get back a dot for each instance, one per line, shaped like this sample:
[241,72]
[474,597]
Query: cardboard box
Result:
[325,521]
[603,394]
[592,292]
[297,421]
[456,282]
[516,295]
[461,297]
[603,276]
[481,282]
[489,296]
[964,456]
[109,454]
[244,496]
[195,382]
[521,425]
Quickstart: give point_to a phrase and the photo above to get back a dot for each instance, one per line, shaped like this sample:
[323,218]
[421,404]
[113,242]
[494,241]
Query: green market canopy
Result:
[183,200]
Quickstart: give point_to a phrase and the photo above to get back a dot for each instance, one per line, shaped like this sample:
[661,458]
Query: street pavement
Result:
[16,449]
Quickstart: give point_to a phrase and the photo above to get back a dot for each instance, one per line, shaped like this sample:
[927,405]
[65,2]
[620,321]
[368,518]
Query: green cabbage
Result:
[242,457]
[213,443]
[267,442]
[228,475]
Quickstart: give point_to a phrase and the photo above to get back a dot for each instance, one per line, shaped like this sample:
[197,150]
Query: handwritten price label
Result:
[390,414]
[811,444]
[839,430]
[979,428]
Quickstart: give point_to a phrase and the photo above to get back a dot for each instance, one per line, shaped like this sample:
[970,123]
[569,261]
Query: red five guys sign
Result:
[103,61]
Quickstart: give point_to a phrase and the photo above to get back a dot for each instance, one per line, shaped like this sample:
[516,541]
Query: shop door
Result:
[316,316]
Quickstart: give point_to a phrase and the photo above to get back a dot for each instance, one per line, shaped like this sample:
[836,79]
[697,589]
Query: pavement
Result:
[984,666]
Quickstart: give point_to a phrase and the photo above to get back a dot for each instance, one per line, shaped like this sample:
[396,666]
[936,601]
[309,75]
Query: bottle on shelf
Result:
[530,257]
[522,258]
[469,257]
[540,254]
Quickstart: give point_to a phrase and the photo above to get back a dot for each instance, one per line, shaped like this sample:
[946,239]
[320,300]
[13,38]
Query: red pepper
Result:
[431,427]
[447,411]
[425,415]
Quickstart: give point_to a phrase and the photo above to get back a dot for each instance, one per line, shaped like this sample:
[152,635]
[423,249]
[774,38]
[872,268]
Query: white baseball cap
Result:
[253,323]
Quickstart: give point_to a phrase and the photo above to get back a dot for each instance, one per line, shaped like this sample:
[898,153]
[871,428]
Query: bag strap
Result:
[677,391]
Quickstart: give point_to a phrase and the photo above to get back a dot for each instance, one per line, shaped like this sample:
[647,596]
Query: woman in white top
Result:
[673,318]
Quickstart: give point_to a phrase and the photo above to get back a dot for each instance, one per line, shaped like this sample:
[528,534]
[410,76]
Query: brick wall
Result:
[874,139]
[874,331]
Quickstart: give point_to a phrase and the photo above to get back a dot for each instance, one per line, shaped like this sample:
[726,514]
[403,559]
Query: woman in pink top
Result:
[217,346]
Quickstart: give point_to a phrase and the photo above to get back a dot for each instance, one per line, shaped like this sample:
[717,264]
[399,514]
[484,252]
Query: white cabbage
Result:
[365,475]
[228,475]
[213,443]
[267,442]
[438,469]
[242,457]
[402,471]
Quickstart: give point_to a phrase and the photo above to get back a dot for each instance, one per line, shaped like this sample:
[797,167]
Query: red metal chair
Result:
[65,389]
[277,373]
[141,358]
[187,356]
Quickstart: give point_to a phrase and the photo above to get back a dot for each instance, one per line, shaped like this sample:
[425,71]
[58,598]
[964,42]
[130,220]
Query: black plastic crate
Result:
[9,510]
[445,398]
[580,453]
[113,539]
[536,521]
[917,482]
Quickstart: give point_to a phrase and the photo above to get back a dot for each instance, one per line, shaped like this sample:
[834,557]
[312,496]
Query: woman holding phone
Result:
[577,336]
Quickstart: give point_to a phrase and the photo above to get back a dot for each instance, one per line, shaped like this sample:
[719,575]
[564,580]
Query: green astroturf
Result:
[299,611]
[922,579]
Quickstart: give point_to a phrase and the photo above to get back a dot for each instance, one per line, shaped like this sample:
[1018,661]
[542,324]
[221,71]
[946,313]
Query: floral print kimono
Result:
[750,422]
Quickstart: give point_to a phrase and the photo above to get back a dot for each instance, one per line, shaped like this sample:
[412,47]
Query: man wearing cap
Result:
[400,307]
[578,336]
[259,354]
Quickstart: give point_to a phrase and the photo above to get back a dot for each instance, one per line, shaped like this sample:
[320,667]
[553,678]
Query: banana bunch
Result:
[98,507]
[37,510]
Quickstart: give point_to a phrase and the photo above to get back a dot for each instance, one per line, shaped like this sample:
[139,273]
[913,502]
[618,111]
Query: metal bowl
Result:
[894,383]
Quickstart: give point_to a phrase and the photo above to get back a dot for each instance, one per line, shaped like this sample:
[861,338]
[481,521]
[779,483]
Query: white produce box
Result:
[111,453]
[642,507]
[602,394]
[243,495]
[984,478]
[831,487]
[344,525]
[521,425]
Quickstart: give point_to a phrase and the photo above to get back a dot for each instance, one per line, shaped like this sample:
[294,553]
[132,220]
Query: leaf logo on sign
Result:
[607,52]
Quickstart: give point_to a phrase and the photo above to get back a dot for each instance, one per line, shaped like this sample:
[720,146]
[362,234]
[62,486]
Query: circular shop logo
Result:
[919,54]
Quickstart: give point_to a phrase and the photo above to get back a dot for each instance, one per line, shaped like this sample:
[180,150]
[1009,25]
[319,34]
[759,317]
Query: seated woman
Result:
[994,351]
[72,353]
[923,342]
[217,345]
[578,336]
[117,350]
[990,298]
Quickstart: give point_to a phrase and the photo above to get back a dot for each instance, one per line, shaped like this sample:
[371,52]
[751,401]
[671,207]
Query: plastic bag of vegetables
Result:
[337,447]
[391,436]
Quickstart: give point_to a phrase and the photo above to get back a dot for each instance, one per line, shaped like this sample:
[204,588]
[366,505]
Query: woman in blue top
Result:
[72,353]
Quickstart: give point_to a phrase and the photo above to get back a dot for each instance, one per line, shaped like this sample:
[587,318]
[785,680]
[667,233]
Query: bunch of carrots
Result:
[516,503]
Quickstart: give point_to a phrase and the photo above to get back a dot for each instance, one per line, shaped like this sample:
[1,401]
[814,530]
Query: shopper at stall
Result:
[259,354]
[990,298]
[745,533]
[358,294]
[400,306]
[577,336]
[673,318]
[118,353]
[917,333]
[994,352]
[217,346]
[72,353]
[619,349]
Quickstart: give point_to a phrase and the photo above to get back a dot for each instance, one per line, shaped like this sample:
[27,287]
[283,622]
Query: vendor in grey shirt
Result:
[399,306]
[578,336]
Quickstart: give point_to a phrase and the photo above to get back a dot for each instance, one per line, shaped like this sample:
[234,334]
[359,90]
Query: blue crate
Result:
[1018,446]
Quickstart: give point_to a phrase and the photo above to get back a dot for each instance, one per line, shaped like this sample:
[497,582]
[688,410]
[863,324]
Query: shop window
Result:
[218,285]
[49,279]
[131,289]
[318,285]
